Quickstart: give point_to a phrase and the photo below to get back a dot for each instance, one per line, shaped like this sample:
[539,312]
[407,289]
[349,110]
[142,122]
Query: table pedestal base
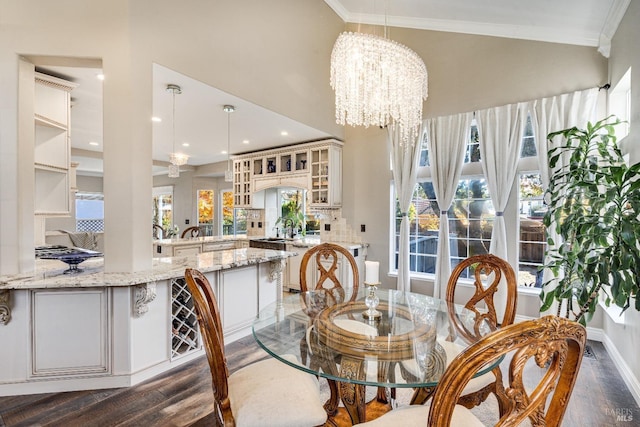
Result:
[373,409]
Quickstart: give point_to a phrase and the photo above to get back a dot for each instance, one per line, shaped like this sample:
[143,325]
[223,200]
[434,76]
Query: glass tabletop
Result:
[332,335]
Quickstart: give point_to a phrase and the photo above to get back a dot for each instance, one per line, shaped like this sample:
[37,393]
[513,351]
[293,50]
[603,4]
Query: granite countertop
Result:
[49,273]
[308,242]
[177,241]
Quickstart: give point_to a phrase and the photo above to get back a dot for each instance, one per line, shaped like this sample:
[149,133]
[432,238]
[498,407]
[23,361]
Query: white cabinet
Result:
[326,176]
[52,146]
[316,166]
[187,250]
[242,183]
[188,247]
[70,332]
[292,278]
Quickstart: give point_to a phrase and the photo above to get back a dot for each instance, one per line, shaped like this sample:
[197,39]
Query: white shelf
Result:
[52,145]
[316,166]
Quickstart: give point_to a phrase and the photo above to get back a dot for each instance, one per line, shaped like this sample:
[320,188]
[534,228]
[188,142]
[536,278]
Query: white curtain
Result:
[405,160]
[558,113]
[500,133]
[554,114]
[447,141]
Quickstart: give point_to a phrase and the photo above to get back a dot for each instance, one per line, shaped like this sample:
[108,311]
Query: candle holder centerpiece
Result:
[372,301]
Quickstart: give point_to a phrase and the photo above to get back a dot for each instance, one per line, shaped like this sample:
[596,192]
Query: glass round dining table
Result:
[332,334]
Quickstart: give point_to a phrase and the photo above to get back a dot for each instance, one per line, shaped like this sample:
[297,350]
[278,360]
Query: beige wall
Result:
[624,339]
[274,54]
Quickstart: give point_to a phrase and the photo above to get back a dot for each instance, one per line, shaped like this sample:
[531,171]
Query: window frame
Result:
[473,170]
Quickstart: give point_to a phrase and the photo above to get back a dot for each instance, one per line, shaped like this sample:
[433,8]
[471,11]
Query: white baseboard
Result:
[625,372]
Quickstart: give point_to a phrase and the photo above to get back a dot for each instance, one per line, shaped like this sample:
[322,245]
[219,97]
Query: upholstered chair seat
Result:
[417,415]
[271,393]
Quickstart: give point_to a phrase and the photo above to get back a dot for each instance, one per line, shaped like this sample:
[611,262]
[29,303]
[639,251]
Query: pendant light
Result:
[228,174]
[176,159]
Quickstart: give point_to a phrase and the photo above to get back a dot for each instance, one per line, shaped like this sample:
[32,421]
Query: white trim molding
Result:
[625,372]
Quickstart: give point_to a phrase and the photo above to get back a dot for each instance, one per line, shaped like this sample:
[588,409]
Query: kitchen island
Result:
[63,332]
[194,245]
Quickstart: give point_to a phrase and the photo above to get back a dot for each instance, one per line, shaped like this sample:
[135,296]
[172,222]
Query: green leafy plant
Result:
[594,201]
[292,214]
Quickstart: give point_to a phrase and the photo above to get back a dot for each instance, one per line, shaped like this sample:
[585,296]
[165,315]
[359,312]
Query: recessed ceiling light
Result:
[223,152]
[185,144]
[156,119]
[95,144]
[245,141]
[284,133]
[100,76]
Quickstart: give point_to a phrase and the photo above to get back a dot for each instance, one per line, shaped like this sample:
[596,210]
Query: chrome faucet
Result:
[290,221]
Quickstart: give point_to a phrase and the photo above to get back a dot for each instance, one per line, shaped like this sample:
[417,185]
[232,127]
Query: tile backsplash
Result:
[338,230]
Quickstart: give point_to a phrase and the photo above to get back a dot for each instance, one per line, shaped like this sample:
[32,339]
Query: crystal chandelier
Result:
[378,82]
[228,174]
[176,159]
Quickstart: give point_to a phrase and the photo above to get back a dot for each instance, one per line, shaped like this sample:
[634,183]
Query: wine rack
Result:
[184,322]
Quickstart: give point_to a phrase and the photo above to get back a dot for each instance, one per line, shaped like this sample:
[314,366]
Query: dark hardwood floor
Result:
[183,397]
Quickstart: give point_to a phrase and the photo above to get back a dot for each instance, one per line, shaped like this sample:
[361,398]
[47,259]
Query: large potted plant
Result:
[594,205]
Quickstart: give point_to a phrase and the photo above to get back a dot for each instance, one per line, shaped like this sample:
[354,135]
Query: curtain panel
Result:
[447,142]
[500,133]
[405,159]
[553,114]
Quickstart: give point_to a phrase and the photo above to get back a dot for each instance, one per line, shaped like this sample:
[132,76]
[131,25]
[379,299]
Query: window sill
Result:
[525,290]
[614,313]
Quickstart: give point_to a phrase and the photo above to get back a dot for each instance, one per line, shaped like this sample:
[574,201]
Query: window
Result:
[471,219]
[472,215]
[423,229]
[532,231]
[89,212]
[205,211]
[162,208]
[620,103]
[234,220]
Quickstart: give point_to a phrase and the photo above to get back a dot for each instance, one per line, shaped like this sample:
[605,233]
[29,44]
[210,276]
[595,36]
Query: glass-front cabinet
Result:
[316,166]
[242,182]
[326,176]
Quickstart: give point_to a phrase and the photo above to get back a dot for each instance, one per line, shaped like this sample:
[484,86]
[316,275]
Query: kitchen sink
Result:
[275,243]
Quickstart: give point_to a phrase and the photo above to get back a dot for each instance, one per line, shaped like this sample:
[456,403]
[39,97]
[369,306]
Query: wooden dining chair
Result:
[191,232]
[488,271]
[325,258]
[265,393]
[554,345]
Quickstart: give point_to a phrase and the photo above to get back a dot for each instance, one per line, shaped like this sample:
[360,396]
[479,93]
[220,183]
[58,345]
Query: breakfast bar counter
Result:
[89,330]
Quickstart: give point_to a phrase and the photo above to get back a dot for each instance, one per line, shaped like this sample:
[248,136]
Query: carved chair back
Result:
[555,344]
[488,272]
[190,232]
[206,306]
[325,258]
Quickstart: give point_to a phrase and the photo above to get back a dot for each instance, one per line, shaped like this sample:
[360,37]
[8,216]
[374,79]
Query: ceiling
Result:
[201,122]
[579,22]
